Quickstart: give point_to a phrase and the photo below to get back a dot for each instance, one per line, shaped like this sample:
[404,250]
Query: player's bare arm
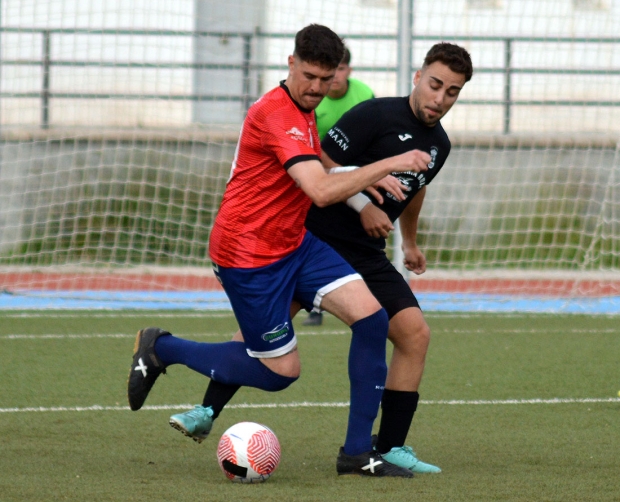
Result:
[414,260]
[389,183]
[326,189]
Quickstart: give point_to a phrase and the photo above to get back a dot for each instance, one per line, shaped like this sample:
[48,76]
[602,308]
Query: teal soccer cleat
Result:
[195,423]
[404,456]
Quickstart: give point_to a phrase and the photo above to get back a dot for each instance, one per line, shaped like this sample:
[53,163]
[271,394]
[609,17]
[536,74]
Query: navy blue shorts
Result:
[261,297]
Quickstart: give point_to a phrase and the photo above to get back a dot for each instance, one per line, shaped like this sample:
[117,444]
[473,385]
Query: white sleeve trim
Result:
[358,202]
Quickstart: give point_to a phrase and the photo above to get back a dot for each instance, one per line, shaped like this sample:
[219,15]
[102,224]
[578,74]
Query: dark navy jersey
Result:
[369,132]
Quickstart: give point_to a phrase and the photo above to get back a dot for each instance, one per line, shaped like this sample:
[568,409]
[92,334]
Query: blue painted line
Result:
[114,300]
[507,303]
[217,300]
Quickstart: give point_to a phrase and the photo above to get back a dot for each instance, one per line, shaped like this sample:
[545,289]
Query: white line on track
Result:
[116,313]
[103,313]
[50,336]
[306,404]
[67,336]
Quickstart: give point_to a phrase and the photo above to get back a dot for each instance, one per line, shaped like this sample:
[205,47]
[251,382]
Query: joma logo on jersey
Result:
[276,333]
[340,139]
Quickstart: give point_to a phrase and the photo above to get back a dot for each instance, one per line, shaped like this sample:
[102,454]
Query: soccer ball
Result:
[248,452]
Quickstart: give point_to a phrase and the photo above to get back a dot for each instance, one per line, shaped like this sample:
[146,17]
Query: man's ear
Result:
[416,77]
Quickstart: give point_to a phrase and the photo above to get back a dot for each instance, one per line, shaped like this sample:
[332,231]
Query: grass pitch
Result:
[514,408]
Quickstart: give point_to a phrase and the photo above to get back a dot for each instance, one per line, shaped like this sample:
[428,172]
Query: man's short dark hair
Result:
[346,59]
[319,45]
[453,56]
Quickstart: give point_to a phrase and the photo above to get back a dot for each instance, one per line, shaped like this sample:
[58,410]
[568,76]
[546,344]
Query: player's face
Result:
[339,84]
[308,83]
[437,88]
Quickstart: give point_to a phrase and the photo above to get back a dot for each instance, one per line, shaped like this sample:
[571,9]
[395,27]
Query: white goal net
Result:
[119,120]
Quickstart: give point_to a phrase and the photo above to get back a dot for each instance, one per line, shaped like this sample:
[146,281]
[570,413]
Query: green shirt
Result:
[330,110]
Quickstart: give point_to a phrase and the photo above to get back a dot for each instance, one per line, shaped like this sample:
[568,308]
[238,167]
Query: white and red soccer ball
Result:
[248,452]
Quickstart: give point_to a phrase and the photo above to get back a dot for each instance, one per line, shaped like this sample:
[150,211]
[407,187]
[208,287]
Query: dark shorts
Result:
[385,282]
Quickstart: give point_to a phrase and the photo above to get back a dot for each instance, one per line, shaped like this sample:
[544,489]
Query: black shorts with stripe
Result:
[385,282]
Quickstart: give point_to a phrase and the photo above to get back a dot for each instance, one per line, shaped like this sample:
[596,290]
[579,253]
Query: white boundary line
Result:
[116,313]
[52,336]
[306,404]
[206,314]
[475,331]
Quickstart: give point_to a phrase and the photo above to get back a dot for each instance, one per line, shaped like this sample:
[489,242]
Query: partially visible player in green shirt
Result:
[344,94]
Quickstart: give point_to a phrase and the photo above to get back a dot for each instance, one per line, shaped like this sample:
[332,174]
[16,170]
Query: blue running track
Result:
[215,300]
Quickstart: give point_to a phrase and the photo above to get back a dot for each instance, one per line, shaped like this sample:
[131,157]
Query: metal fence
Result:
[47,63]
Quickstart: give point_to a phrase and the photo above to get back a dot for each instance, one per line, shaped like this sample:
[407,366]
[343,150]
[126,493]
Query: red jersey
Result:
[261,218]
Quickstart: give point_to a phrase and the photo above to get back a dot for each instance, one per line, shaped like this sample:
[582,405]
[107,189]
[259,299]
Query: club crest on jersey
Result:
[296,134]
[276,333]
[433,153]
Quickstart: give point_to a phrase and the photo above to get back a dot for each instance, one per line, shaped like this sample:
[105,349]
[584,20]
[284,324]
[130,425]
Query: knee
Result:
[290,369]
[277,377]
[423,335]
[288,365]
[282,382]
[414,338]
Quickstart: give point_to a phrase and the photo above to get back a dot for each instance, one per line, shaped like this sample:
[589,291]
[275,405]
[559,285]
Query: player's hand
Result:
[375,222]
[390,184]
[413,160]
[414,260]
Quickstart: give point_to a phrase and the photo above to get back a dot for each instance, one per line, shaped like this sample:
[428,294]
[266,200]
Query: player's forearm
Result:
[409,219]
[339,187]
[408,229]
[409,234]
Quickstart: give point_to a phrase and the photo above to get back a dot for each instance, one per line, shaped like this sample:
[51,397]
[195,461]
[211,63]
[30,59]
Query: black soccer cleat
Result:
[313,319]
[145,368]
[369,463]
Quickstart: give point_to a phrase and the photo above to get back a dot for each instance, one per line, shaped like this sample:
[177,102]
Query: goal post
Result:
[118,124]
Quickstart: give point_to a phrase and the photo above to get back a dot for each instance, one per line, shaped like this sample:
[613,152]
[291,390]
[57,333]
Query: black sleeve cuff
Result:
[300,158]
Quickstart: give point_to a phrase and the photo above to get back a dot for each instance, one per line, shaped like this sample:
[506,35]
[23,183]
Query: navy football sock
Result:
[226,362]
[367,373]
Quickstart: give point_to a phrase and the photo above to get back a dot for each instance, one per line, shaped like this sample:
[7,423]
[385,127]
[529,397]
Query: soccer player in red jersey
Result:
[265,260]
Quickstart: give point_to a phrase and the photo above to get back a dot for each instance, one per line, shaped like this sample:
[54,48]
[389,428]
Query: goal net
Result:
[119,121]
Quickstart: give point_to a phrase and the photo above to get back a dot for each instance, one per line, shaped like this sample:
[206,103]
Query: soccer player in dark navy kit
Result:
[266,259]
[357,229]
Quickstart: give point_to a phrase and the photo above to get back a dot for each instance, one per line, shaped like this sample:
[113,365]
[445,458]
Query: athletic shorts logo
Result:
[216,272]
[276,333]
